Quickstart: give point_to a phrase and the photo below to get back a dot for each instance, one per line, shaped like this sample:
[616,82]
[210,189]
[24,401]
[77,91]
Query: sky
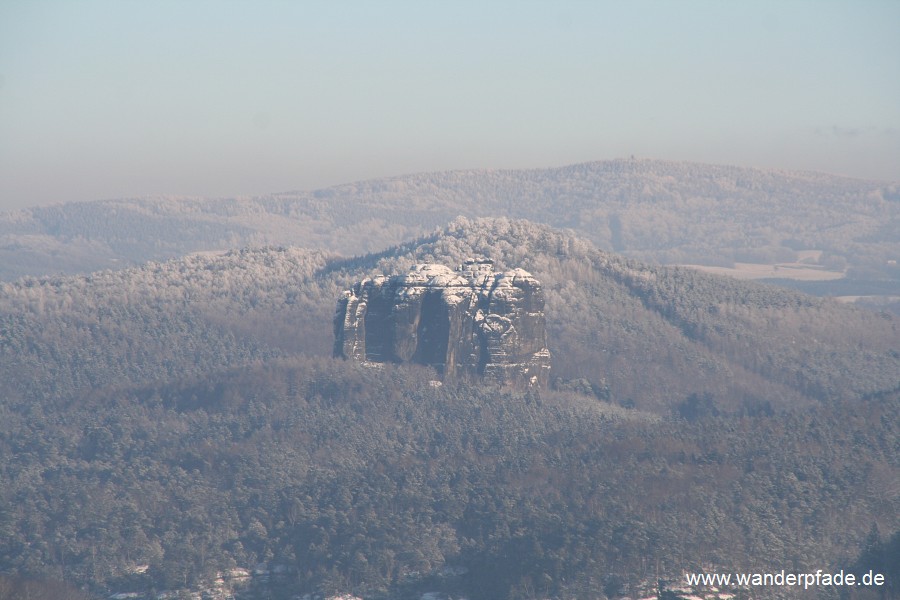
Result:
[105,99]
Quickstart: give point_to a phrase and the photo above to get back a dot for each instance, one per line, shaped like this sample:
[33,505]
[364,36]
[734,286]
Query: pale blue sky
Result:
[117,98]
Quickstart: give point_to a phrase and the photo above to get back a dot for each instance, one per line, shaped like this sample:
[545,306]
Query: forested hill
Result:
[163,425]
[661,339]
[663,212]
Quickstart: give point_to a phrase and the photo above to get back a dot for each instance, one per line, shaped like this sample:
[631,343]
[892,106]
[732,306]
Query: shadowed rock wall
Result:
[469,322]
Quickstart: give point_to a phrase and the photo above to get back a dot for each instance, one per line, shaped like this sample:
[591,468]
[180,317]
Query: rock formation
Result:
[472,322]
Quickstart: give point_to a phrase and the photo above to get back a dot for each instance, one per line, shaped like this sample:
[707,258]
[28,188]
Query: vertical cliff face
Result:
[472,322]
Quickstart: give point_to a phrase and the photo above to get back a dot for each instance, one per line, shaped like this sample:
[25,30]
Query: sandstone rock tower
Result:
[472,322]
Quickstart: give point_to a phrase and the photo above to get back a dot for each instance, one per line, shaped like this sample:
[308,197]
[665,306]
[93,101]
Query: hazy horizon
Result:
[106,99]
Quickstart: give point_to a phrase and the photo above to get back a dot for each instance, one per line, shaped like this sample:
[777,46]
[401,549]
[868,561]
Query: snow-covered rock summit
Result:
[472,321]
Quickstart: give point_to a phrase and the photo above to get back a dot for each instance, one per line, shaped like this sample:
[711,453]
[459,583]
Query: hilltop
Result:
[749,346]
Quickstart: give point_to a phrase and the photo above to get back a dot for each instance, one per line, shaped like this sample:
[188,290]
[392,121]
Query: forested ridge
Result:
[187,416]
[657,211]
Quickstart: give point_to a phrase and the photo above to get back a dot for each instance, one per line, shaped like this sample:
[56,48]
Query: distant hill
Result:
[166,423]
[662,212]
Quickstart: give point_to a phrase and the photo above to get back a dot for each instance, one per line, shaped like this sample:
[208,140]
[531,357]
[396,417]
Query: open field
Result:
[796,270]
[868,299]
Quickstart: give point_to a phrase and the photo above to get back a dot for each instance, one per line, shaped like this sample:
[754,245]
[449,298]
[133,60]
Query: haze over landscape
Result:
[449,301]
[104,99]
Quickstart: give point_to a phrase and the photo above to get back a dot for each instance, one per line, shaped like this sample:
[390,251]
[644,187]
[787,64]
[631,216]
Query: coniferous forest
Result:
[179,422]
